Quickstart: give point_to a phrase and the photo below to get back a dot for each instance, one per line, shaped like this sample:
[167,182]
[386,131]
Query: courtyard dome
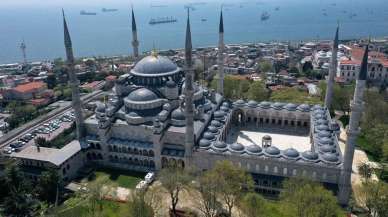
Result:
[204,143]
[212,129]
[239,102]
[326,140]
[178,114]
[252,103]
[265,104]
[330,157]
[224,109]
[324,133]
[291,153]
[290,107]
[216,123]
[208,136]
[328,148]
[322,127]
[309,155]
[254,149]
[272,150]
[278,105]
[154,65]
[142,95]
[304,108]
[317,107]
[220,145]
[226,104]
[320,117]
[322,122]
[236,147]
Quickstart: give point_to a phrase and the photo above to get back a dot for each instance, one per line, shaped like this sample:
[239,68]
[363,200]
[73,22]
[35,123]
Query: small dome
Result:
[219,145]
[272,150]
[208,136]
[290,107]
[212,129]
[291,153]
[204,143]
[326,141]
[226,104]
[101,108]
[324,133]
[321,122]
[254,149]
[236,147]
[322,127]
[170,84]
[155,66]
[320,117]
[330,157]
[327,148]
[133,114]
[304,108]
[240,102]
[224,109]
[141,95]
[167,107]
[219,114]
[265,104]
[319,111]
[216,123]
[317,107]
[267,137]
[309,155]
[252,103]
[278,105]
[178,114]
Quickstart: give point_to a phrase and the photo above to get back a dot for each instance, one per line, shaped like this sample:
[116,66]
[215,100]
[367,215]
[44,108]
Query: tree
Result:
[49,186]
[342,97]
[304,198]
[51,81]
[365,171]
[208,188]
[265,66]
[373,195]
[233,182]
[258,92]
[138,205]
[174,180]
[253,205]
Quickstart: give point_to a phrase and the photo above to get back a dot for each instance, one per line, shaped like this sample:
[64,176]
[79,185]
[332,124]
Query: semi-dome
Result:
[204,143]
[291,153]
[178,114]
[309,155]
[236,147]
[272,150]
[330,157]
[141,95]
[220,145]
[254,149]
[155,65]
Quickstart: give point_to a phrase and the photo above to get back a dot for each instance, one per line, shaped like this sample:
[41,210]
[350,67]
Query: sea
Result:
[109,33]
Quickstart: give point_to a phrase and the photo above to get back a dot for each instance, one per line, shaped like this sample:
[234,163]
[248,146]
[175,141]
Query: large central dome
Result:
[155,65]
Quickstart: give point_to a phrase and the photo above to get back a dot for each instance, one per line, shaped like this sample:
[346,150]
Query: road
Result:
[15,134]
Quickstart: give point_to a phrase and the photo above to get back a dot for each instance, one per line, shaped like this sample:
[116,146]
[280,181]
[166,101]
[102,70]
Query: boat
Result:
[325,14]
[109,9]
[203,20]
[161,20]
[191,7]
[158,6]
[265,16]
[87,13]
[277,8]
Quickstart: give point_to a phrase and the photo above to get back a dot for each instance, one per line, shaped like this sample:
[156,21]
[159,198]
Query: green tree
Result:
[208,188]
[174,180]
[258,91]
[373,195]
[51,81]
[138,206]
[253,205]
[365,171]
[304,198]
[49,186]
[233,183]
[265,66]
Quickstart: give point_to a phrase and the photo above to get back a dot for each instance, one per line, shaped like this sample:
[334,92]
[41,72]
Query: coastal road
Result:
[15,134]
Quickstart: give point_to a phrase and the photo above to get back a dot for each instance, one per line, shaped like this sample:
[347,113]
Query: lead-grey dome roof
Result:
[309,155]
[154,65]
[141,95]
[236,147]
[291,153]
[204,143]
[254,149]
[178,114]
[272,150]
[330,157]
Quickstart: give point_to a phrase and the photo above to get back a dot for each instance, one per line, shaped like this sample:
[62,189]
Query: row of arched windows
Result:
[95,146]
[94,156]
[130,150]
[172,162]
[132,161]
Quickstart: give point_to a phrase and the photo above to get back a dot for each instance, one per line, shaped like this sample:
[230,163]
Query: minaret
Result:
[221,56]
[73,82]
[345,187]
[135,42]
[332,72]
[189,91]
[23,47]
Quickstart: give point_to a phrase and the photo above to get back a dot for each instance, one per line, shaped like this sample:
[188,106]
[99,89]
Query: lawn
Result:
[121,178]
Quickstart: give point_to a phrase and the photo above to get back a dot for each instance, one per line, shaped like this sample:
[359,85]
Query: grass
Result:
[121,178]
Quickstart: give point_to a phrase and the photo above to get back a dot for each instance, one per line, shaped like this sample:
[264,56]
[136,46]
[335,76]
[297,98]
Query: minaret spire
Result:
[332,72]
[189,91]
[73,81]
[135,42]
[353,131]
[221,56]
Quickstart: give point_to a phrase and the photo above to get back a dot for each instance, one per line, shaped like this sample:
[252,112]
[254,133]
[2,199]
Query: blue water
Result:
[109,33]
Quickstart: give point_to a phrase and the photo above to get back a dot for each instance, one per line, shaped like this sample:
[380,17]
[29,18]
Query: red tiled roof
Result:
[350,62]
[29,86]
[110,78]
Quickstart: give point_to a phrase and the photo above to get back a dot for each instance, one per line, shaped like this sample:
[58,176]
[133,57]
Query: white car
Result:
[141,185]
[150,177]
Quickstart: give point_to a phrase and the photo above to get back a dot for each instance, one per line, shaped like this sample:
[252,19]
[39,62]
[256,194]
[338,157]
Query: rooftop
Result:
[28,87]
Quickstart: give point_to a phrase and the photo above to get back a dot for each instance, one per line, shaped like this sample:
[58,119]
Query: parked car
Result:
[150,177]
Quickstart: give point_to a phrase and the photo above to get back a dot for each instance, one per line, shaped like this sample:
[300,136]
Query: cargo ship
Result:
[87,13]
[161,20]
[265,16]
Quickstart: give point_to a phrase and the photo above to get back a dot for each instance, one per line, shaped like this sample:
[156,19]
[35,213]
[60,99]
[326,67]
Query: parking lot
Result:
[48,130]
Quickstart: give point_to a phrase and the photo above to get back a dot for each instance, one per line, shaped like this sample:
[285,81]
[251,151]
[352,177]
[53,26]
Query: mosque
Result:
[158,115]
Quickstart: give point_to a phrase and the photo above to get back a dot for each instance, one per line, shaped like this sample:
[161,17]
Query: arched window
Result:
[275,169]
[98,146]
[152,164]
[294,172]
[151,153]
[285,171]
[145,152]
[100,156]
[266,168]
